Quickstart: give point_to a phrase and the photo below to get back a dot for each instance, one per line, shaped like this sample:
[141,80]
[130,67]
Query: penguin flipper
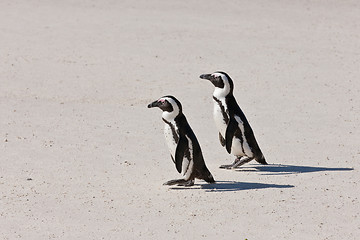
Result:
[180,151]
[222,140]
[229,134]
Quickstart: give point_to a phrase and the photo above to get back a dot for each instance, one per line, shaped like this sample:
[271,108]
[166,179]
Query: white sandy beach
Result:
[83,158]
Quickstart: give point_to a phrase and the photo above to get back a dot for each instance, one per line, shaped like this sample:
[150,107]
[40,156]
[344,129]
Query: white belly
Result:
[219,120]
[236,148]
[169,138]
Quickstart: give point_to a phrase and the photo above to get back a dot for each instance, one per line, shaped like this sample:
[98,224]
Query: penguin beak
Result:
[153,104]
[205,76]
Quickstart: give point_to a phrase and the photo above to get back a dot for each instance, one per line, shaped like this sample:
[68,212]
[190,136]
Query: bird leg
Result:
[237,163]
[181,182]
[241,162]
[229,166]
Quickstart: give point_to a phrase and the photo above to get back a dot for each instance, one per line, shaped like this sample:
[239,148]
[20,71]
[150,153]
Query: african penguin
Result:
[184,147]
[235,133]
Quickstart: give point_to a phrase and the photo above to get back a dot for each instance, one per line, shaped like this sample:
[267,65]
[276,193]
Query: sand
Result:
[83,158]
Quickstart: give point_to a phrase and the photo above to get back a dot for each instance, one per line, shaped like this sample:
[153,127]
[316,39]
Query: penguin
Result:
[235,132]
[184,147]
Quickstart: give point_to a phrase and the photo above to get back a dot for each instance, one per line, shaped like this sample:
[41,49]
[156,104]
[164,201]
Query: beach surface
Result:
[82,157]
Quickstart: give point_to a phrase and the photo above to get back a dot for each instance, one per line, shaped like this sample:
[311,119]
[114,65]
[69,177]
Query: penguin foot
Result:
[181,182]
[230,166]
[241,162]
[226,166]
[237,163]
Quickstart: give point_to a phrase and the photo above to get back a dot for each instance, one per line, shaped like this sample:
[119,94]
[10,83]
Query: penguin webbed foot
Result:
[237,163]
[226,166]
[181,182]
[187,183]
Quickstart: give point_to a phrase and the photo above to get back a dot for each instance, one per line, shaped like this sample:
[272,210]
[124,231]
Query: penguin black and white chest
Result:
[184,147]
[235,133]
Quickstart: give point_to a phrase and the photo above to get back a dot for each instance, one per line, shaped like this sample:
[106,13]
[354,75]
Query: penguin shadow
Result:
[229,186]
[279,169]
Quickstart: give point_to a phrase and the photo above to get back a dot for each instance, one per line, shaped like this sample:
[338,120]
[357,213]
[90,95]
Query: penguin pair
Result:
[235,133]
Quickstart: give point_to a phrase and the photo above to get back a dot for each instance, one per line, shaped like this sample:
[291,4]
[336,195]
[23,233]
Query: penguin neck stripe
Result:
[173,130]
[223,111]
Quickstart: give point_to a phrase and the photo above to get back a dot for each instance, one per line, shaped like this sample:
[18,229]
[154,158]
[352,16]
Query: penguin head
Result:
[170,106]
[222,82]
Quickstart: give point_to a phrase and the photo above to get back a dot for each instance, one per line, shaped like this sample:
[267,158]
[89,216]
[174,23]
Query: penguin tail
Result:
[209,178]
[261,160]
